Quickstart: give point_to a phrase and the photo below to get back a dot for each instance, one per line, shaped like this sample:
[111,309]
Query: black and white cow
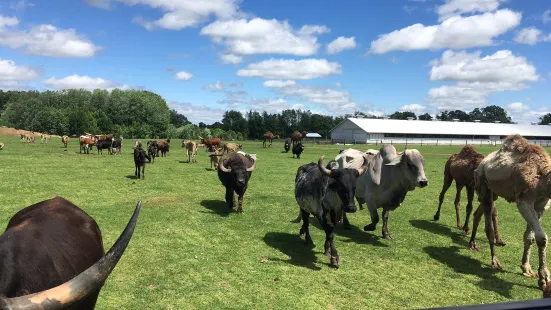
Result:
[325,193]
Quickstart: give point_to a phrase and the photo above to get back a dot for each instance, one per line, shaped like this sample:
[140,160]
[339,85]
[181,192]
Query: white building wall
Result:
[349,132]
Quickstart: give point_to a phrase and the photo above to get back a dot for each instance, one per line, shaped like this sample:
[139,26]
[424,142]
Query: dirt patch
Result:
[7,131]
[160,200]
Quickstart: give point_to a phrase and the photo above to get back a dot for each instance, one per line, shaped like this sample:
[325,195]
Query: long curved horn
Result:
[221,167]
[323,170]
[87,282]
[252,167]
[363,168]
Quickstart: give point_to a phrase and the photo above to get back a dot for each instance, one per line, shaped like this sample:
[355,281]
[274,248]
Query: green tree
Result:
[425,117]
[545,119]
[177,119]
[403,115]
[234,120]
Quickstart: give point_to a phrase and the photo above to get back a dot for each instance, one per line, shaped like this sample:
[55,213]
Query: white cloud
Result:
[221,86]
[101,4]
[46,40]
[477,77]
[231,59]
[456,32]
[21,5]
[183,76]
[531,36]
[522,113]
[458,7]
[546,16]
[340,44]
[14,77]
[291,69]
[197,112]
[263,36]
[278,83]
[76,81]
[415,108]
[272,105]
[518,107]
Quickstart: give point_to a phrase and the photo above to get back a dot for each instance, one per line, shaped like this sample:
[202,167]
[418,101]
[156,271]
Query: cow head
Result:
[412,163]
[239,172]
[137,145]
[345,180]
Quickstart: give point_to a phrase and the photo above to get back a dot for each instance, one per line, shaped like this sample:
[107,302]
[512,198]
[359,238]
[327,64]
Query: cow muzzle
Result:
[350,208]
[423,183]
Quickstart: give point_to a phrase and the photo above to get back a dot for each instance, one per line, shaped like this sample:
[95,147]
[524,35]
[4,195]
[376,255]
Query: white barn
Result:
[365,130]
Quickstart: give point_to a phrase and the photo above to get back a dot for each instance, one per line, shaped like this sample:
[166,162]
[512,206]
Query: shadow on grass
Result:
[354,234]
[455,234]
[133,177]
[451,257]
[217,206]
[293,246]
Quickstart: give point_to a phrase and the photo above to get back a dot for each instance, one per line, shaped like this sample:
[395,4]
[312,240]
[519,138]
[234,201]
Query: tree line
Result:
[144,114]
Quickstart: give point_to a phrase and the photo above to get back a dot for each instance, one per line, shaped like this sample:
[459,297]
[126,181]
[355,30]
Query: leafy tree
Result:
[234,120]
[177,119]
[545,119]
[403,115]
[425,117]
[495,113]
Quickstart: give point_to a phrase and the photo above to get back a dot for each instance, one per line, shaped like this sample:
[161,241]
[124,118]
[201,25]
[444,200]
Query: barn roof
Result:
[449,128]
[313,135]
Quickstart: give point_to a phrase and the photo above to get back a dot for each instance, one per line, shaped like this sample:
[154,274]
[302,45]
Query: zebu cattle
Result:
[234,171]
[215,158]
[231,147]
[287,145]
[191,151]
[390,177]
[52,257]
[104,144]
[251,157]
[325,193]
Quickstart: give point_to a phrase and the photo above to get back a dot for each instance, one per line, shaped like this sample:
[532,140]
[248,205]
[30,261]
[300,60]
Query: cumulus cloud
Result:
[183,76]
[272,105]
[477,77]
[197,112]
[458,7]
[231,59]
[232,99]
[14,77]
[45,40]
[220,86]
[546,16]
[278,83]
[76,81]
[291,69]
[264,36]
[340,44]
[517,107]
[522,113]
[531,36]
[456,32]
[415,108]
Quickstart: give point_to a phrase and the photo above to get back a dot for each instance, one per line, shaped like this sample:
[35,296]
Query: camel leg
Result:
[486,200]
[447,183]
[499,241]
[532,219]
[528,241]
[468,209]
[457,202]
[477,216]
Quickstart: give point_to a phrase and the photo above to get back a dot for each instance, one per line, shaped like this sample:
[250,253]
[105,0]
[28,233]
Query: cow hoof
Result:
[370,227]
[335,261]
[459,226]
[500,242]
[473,246]
[496,265]
[436,217]
[465,231]
[387,236]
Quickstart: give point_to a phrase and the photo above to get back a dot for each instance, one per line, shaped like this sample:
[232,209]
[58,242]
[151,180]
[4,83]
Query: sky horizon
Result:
[207,57]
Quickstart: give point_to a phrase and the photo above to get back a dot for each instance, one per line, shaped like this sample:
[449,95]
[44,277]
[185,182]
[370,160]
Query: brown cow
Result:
[52,257]
[85,143]
[65,140]
[163,146]
[44,137]
[211,143]
[231,147]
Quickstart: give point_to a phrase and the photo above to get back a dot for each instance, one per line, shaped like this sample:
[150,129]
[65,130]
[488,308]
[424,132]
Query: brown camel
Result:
[519,172]
[268,136]
[296,136]
[460,167]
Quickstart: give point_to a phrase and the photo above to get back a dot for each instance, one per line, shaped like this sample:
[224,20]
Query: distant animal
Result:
[104,145]
[518,172]
[325,193]
[163,147]
[65,140]
[139,160]
[215,157]
[200,145]
[27,137]
[152,149]
[52,257]
[231,147]
[251,157]
[85,144]
[297,137]
[116,147]
[1,146]
[191,151]
[268,136]
[44,138]
[297,150]
[211,143]
[460,167]
[388,181]
[234,171]
[287,145]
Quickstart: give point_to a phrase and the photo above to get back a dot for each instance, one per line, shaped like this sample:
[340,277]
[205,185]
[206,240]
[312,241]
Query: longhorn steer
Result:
[45,246]
[234,171]
[326,194]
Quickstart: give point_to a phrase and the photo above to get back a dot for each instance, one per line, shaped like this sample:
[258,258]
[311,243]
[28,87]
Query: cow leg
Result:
[372,207]
[240,203]
[297,220]
[360,201]
[304,230]
[329,237]
[229,197]
[143,171]
[386,234]
[345,222]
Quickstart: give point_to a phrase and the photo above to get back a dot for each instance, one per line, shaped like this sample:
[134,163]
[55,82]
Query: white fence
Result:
[429,141]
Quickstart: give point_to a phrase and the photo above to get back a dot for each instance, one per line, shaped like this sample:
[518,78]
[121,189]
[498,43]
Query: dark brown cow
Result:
[163,146]
[296,136]
[45,246]
[211,143]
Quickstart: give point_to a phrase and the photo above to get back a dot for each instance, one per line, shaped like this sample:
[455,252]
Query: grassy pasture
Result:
[189,252]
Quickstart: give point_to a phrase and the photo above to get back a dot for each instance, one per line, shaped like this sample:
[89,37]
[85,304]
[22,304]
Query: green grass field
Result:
[189,252]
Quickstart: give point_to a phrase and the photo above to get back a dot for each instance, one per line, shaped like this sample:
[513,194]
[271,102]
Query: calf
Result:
[297,150]
[214,157]
[116,147]
[152,149]
[44,137]
[191,151]
[287,145]
[234,171]
[139,160]
[104,144]
[326,194]
[163,146]
[230,146]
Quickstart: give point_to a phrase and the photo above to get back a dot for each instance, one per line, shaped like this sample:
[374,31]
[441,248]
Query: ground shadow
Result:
[451,257]
[216,206]
[457,235]
[133,177]
[183,162]
[210,169]
[293,246]
[354,234]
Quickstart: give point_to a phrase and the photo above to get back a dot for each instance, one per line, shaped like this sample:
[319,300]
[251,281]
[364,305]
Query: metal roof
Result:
[313,135]
[449,128]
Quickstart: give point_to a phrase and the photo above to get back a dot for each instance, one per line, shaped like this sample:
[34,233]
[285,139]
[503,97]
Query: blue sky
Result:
[205,57]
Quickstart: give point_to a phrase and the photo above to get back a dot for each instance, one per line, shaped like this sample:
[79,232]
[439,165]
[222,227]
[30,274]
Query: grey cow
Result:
[388,180]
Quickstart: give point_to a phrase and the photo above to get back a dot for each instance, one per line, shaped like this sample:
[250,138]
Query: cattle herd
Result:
[71,243]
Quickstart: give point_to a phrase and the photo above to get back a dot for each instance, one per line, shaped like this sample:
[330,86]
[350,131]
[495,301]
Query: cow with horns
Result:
[52,257]
[234,171]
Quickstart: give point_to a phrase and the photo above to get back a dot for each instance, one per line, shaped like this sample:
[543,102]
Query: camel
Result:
[296,136]
[460,167]
[269,136]
[519,172]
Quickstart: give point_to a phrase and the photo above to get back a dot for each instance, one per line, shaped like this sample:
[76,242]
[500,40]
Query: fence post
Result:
[436,142]
[406,143]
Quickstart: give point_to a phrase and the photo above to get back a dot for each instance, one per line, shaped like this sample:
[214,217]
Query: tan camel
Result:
[460,167]
[518,172]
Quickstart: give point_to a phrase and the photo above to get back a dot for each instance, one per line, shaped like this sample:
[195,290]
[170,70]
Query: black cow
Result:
[152,149]
[326,194]
[297,150]
[139,161]
[116,147]
[52,257]
[234,171]
[287,145]
[104,144]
